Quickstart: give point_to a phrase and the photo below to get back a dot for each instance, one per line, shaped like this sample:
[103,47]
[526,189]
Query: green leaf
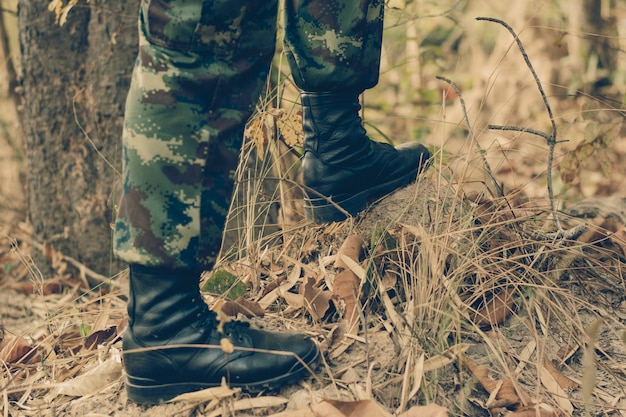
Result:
[224,283]
[85,330]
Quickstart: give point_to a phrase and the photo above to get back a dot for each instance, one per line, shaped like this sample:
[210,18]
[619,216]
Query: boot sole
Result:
[148,392]
[324,210]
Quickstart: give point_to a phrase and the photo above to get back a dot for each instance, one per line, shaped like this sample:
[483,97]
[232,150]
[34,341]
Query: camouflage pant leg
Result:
[334,44]
[200,70]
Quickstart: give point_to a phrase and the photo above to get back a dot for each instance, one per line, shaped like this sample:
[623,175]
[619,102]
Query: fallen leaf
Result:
[533,412]
[346,284]
[272,286]
[337,408]
[292,279]
[451,355]
[590,370]
[246,307]
[252,403]
[351,247]
[506,393]
[316,301]
[222,282]
[290,126]
[346,288]
[548,381]
[209,394]
[91,381]
[619,238]
[46,287]
[430,410]
[260,129]
[563,381]
[17,350]
[294,301]
[496,310]
[100,337]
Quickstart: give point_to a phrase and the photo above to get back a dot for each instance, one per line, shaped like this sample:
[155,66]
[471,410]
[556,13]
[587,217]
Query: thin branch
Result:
[499,188]
[569,234]
[551,139]
[530,67]
[521,129]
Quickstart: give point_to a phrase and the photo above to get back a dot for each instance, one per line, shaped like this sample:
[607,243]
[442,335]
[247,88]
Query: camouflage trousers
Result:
[200,70]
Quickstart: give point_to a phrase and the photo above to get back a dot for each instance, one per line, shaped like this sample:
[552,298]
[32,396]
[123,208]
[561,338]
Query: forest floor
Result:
[475,295]
[467,309]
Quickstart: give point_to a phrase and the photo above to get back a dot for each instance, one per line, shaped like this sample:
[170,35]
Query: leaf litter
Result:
[377,361]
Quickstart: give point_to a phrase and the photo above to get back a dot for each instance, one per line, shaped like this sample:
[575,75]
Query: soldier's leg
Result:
[200,69]
[333,48]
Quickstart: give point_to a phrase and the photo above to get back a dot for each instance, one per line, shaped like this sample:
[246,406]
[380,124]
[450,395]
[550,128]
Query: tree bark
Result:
[75,79]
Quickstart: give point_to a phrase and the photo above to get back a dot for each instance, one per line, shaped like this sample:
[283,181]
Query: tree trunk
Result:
[75,79]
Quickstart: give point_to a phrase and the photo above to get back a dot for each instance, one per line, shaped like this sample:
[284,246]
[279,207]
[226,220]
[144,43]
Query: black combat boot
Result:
[342,166]
[172,344]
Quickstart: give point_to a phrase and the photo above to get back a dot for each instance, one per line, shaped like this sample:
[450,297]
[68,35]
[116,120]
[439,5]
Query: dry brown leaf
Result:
[294,301]
[272,285]
[316,301]
[607,227]
[337,408]
[507,394]
[590,371]
[100,337]
[446,358]
[90,382]
[290,126]
[264,401]
[351,247]
[338,341]
[346,288]
[242,306]
[260,129]
[563,381]
[346,283]
[17,350]
[292,279]
[496,310]
[430,410]
[208,394]
[548,381]
[362,408]
[619,238]
[47,287]
[533,412]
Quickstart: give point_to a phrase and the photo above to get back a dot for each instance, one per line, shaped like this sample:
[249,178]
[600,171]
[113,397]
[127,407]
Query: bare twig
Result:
[551,139]
[521,129]
[499,188]
[568,234]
